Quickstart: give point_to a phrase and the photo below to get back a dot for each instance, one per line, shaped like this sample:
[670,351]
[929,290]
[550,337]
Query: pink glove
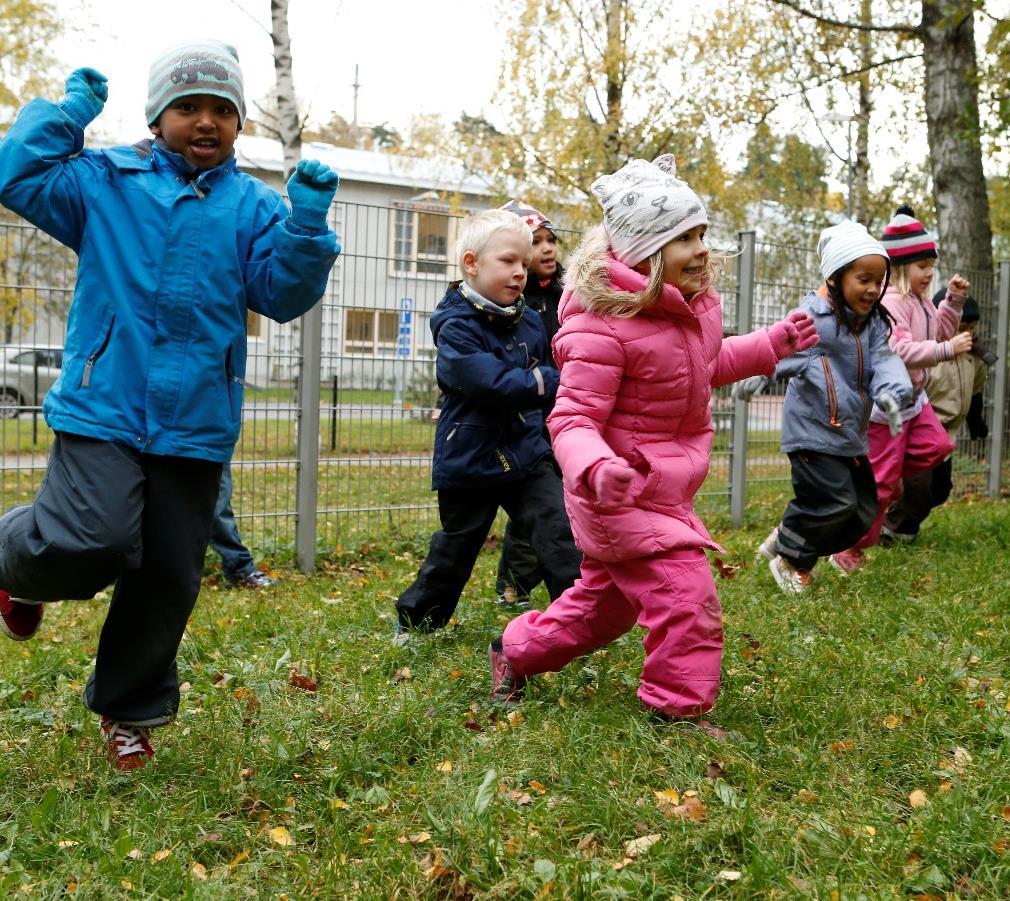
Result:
[794,333]
[610,481]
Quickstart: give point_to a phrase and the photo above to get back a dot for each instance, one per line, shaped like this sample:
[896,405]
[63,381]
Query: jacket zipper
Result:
[832,397]
[89,364]
[859,377]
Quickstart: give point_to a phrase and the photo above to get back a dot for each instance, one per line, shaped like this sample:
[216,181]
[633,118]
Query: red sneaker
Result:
[19,620]
[507,687]
[847,561]
[128,747]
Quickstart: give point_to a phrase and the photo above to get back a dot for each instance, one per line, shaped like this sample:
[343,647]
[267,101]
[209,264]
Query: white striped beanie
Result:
[844,243]
[906,240]
[198,67]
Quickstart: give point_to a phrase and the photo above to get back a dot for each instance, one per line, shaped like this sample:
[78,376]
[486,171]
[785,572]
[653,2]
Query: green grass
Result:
[848,700]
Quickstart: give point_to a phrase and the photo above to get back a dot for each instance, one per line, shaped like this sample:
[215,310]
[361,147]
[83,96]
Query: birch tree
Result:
[289,124]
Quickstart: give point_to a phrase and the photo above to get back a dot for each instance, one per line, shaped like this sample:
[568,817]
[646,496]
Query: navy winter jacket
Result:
[495,384]
[169,264]
[832,386]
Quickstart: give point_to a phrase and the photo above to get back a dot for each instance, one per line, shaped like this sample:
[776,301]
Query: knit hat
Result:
[533,218]
[843,243]
[969,312]
[646,206]
[905,238]
[200,67]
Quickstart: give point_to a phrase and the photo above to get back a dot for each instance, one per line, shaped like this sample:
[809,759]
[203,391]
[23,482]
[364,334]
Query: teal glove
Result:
[86,93]
[310,191]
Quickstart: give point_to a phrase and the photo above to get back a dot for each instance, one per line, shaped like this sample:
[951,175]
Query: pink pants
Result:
[922,445]
[671,595]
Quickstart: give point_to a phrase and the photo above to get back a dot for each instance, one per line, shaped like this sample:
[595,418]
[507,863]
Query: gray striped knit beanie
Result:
[199,67]
[906,239]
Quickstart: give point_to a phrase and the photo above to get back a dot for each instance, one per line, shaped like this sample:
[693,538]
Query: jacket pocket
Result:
[235,387]
[473,452]
[99,348]
[829,386]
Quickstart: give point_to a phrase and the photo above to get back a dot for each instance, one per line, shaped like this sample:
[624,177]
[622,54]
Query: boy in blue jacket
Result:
[175,244]
[497,376]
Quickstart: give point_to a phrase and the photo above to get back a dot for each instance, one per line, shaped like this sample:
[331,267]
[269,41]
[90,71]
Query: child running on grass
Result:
[641,347]
[497,376]
[923,335]
[832,387]
[175,246]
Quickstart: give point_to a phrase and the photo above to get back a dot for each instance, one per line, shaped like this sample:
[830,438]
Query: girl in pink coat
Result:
[640,349]
[923,336]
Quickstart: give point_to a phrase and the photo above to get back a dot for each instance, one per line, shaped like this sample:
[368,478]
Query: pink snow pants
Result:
[922,445]
[671,595]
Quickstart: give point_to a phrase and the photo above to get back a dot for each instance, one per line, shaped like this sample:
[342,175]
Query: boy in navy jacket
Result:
[497,376]
[175,245]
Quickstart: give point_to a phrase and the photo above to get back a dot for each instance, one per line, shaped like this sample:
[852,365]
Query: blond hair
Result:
[588,274]
[478,229]
[901,279]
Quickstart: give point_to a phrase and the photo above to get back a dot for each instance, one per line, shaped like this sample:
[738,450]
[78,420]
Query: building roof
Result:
[370,166]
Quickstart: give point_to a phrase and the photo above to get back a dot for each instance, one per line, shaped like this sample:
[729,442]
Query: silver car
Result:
[26,374]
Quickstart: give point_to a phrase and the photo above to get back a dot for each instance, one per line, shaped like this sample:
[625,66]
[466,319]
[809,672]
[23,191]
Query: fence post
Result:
[307,489]
[1000,387]
[738,436]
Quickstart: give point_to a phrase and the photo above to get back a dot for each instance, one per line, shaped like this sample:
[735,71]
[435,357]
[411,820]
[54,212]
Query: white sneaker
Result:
[790,579]
[769,548]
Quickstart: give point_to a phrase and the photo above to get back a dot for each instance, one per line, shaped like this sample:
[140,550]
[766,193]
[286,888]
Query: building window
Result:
[370,331]
[423,241]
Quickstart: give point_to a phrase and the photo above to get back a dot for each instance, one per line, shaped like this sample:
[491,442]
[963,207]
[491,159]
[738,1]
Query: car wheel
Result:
[10,403]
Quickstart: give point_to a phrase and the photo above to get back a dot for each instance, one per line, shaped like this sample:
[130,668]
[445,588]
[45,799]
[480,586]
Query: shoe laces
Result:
[128,740]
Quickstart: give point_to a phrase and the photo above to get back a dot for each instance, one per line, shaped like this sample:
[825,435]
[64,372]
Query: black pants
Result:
[106,513]
[536,503]
[835,504]
[519,566]
[921,494]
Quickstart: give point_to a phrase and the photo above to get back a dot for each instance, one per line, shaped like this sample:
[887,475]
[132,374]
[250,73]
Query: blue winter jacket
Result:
[168,267]
[832,386]
[495,385]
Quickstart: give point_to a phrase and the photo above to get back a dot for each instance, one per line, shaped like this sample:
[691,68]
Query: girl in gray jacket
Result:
[832,388]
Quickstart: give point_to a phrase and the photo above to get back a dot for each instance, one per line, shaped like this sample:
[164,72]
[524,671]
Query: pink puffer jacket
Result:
[921,334]
[639,388]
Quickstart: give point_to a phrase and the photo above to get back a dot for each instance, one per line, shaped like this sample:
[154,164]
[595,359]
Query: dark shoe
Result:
[507,687]
[128,747]
[889,537]
[256,579]
[510,599]
[19,620]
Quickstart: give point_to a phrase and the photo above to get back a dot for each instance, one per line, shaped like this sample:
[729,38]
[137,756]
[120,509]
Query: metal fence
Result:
[343,458]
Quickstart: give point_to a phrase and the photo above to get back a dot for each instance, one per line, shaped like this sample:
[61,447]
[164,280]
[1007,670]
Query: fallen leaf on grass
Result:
[279,835]
[209,837]
[239,858]
[414,839]
[892,721]
[715,770]
[692,810]
[961,759]
[445,766]
[301,681]
[1006,813]
[455,674]
[404,674]
[638,846]
[667,798]
[135,854]
[339,804]
[806,796]
[537,786]
[918,799]
[520,797]
[587,842]
[1001,846]
[725,570]
[729,875]
[846,744]
[67,843]
[161,855]
[199,871]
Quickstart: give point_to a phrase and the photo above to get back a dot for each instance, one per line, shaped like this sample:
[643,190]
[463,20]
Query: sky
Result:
[440,56]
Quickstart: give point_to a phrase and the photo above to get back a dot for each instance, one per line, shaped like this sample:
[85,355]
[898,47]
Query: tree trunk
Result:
[952,122]
[614,65]
[288,123]
[864,107]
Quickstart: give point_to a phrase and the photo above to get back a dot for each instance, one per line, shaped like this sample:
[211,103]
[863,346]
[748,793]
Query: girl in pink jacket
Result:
[640,349]
[923,336]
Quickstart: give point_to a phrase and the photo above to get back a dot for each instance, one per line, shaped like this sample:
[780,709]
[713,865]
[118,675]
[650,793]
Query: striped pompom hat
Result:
[906,240]
[197,67]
